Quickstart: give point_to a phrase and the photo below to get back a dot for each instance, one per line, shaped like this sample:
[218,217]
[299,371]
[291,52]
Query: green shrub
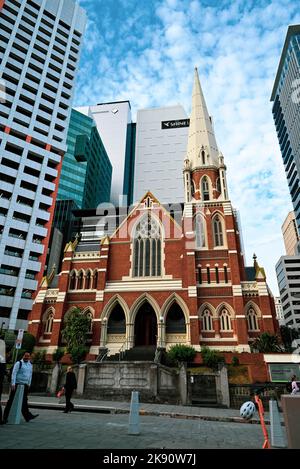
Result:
[235,361]
[58,354]
[10,339]
[211,358]
[28,342]
[181,353]
[78,353]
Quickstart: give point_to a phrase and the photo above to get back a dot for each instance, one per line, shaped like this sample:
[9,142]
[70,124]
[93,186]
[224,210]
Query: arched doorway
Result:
[145,326]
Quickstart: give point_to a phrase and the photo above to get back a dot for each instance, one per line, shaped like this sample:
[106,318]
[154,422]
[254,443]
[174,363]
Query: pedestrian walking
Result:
[295,387]
[69,386]
[21,375]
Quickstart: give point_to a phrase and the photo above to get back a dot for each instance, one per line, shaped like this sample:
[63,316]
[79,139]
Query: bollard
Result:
[277,437]
[134,417]
[14,417]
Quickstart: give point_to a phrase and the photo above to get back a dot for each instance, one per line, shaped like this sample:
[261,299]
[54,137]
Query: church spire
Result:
[202,147]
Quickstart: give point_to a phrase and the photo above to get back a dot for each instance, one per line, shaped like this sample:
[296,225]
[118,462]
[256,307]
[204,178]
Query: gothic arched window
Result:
[203,156]
[116,322]
[225,320]
[49,323]
[205,188]
[218,185]
[88,280]
[80,281]
[89,315]
[206,320]
[147,248]
[72,284]
[95,278]
[252,320]
[175,322]
[200,228]
[218,231]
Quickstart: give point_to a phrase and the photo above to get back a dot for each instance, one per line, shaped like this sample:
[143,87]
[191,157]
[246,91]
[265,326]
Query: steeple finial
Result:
[202,147]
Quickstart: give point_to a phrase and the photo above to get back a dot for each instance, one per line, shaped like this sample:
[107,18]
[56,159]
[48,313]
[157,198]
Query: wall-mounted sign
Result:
[283,371]
[175,124]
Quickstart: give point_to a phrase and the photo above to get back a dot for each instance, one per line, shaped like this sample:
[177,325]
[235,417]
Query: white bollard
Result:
[277,437]
[14,416]
[134,417]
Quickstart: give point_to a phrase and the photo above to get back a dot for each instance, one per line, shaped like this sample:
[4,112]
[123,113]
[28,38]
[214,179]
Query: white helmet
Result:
[247,410]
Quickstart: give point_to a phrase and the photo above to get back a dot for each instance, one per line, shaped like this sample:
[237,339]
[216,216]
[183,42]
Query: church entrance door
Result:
[145,326]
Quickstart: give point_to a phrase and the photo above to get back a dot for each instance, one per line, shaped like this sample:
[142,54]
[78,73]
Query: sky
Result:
[145,51]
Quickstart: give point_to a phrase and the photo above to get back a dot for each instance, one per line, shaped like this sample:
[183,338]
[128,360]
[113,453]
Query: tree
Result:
[266,343]
[288,334]
[75,334]
[181,353]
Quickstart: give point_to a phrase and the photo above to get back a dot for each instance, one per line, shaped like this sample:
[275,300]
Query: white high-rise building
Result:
[161,140]
[288,279]
[113,121]
[40,44]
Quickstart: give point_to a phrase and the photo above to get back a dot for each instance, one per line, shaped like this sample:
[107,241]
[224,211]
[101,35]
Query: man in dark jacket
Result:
[69,386]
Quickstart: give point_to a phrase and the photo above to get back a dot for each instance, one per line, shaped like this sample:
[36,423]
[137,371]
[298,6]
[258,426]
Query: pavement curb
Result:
[114,410]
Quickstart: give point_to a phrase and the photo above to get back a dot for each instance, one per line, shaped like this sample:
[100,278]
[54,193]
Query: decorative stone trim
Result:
[144,285]
[219,339]
[52,293]
[192,292]
[227,208]
[100,295]
[40,296]
[237,290]
[61,297]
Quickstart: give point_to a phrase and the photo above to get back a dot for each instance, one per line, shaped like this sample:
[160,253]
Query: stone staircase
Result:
[141,353]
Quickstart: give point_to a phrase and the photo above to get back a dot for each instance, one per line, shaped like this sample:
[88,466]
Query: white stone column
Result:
[103,336]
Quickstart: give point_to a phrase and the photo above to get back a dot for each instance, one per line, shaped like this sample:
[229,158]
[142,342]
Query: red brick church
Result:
[162,275]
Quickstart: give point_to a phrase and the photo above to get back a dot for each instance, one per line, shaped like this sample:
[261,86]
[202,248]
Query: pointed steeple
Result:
[202,147]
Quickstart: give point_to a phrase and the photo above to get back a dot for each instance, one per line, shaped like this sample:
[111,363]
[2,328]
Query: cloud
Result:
[146,51]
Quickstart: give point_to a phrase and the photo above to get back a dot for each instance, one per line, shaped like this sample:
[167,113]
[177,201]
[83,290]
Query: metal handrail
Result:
[123,349]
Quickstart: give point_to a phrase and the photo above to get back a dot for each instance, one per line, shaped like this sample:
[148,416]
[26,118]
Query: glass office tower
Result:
[286,112]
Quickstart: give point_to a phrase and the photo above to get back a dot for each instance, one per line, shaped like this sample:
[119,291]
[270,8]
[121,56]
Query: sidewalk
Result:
[165,410]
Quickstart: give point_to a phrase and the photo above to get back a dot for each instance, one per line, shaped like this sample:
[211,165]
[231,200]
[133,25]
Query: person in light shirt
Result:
[295,387]
[21,374]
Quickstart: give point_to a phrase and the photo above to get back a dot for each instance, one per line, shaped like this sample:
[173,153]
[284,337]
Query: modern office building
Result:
[161,140]
[279,311]
[288,278]
[40,44]
[62,231]
[113,121]
[290,234]
[86,170]
[85,182]
[286,113]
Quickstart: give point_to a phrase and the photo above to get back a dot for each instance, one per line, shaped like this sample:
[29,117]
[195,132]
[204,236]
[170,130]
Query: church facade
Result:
[164,274]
